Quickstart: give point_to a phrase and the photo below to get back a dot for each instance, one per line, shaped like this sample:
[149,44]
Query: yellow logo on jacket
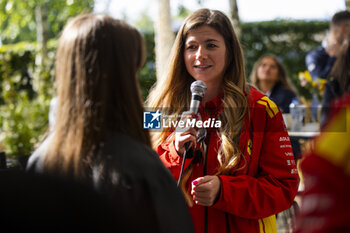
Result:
[250,147]
[268,225]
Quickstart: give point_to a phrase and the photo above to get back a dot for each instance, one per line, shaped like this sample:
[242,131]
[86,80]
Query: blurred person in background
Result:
[319,62]
[270,77]
[338,83]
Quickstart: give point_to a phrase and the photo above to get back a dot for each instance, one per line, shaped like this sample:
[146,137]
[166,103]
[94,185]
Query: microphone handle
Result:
[194,107]
[198,89]
[187,144]
[195,103]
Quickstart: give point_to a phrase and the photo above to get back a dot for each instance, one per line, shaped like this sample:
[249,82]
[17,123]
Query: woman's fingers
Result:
[184,134]
[205,190]
[187,131]
[202,201]
[187,138]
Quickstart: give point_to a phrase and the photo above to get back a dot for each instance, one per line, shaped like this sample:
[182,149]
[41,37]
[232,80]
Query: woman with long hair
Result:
[240,174]
[98,136]
[270,77]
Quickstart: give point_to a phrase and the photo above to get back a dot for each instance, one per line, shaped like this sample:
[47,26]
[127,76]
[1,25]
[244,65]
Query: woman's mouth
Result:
[202,67]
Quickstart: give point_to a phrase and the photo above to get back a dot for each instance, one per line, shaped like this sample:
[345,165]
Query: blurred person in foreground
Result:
[32,202]
[270,77]
[98,137]
[237,175]
[326,170]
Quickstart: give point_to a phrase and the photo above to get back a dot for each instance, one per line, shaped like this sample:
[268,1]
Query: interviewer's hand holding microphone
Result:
[204,190]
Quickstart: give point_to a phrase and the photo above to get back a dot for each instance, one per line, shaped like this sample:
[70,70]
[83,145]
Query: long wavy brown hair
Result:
[96,76]
[173,90]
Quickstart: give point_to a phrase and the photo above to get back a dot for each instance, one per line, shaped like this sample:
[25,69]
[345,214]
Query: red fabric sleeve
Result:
[273,187]
[171,159]
[325,202]
[326,172]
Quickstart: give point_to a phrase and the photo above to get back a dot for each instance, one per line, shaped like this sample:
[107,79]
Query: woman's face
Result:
[205,54]
[267,70]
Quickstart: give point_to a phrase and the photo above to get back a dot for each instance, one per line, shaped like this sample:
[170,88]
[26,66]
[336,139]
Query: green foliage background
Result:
[25,82]
[26,89]
[17,17]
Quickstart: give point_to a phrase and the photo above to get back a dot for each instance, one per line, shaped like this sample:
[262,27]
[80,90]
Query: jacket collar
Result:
[213,106]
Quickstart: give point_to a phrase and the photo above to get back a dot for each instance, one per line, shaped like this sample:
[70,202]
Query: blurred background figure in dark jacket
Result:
[320,61]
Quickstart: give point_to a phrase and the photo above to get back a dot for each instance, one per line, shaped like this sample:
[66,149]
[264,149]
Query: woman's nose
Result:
[201,53]
[267,68]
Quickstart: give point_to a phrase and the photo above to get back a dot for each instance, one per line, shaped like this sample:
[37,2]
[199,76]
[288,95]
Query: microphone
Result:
[198,89]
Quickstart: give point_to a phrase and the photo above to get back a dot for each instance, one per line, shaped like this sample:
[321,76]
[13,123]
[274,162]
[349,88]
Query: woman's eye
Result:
[191,47]
[212,45]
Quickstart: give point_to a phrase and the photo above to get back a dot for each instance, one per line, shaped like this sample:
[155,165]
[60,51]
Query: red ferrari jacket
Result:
[266,182]
[326,172]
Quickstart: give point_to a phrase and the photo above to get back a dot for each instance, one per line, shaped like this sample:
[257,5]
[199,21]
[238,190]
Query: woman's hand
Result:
[184,134]
[205,190]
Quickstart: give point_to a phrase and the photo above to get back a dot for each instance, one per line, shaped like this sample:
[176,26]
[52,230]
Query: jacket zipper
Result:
[204,174]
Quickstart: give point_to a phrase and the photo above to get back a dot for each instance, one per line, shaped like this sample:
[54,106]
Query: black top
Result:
[33,202]
[282,97]
[136,182]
